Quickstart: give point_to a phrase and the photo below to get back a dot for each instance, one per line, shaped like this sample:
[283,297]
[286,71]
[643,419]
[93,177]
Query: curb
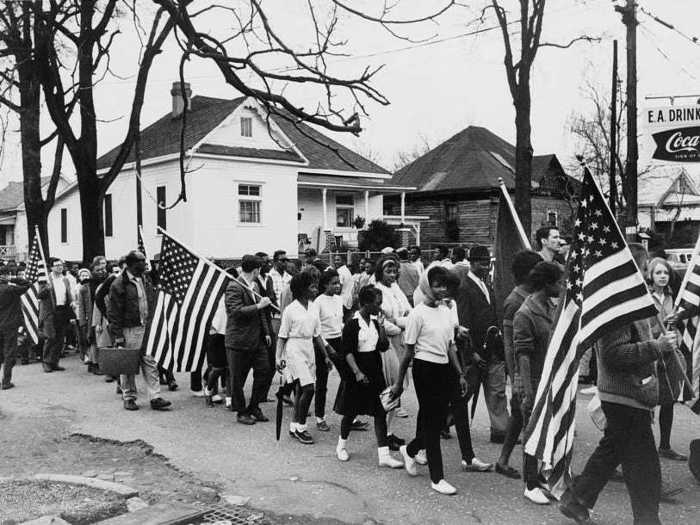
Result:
[123,490]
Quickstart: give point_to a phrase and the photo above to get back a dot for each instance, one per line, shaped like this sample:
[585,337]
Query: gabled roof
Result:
[473,160]
[668,186]
[206,113]
[12,195]
[163,136]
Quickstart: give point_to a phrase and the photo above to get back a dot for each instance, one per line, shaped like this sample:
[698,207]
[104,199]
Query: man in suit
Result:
[55,312]
[476,310]
[267,289]
[248,338]
[11,291]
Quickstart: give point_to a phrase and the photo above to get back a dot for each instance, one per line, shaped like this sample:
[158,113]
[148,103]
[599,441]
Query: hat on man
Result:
[479,252]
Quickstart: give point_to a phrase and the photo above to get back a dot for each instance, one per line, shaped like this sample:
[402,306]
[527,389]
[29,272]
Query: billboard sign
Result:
[676,132]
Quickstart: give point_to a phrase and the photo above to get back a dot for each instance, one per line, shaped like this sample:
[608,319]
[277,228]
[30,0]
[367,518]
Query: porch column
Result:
[324,191]
[403,207]
[366,208]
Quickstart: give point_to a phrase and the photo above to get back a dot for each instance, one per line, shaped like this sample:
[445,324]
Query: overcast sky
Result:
[437,88]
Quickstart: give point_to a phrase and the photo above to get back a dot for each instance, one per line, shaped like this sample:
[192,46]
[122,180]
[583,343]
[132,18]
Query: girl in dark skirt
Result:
[363,340]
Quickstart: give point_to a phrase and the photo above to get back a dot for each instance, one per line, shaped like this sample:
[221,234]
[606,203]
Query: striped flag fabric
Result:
[190,290]
[35,274]
[689,299]
[604,290]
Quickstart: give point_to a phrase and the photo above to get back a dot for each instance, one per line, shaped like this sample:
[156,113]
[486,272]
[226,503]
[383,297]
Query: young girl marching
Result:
[659,275]
[430,344]
[364,338]
[300,332]
[330,310]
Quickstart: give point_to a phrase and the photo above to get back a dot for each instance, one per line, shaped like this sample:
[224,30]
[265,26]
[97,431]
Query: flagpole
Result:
[516,219]
[207,261]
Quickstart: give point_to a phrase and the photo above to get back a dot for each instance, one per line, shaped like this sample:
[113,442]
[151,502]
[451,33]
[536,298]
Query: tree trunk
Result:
[523,155]
[35,208]
[91,209]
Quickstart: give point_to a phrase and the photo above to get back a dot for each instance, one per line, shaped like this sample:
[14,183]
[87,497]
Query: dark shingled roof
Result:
[473,159]
[12,195]
[163,138]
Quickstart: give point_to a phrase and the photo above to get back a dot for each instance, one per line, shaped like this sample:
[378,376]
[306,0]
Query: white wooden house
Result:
[253,184]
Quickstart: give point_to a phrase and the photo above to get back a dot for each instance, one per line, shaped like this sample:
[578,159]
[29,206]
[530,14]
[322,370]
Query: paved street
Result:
[290,478]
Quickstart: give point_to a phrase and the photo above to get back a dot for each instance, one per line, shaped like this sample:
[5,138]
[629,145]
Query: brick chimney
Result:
[178,103]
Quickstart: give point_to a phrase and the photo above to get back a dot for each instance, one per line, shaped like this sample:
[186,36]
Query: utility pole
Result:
[629,18]
[613,132]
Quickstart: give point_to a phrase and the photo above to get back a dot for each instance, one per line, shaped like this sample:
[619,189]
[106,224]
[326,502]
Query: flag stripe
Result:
[190,290]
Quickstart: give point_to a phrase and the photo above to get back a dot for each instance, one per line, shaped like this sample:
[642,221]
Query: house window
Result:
[246,127]
[344,210]
[249,203]
[160,212]
[108,215]
[551,218]
[451,212]
[64,225]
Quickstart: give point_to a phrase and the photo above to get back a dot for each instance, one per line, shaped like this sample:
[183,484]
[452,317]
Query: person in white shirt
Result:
[346,284]
[414,255]
[330,310]
[279,275]
[300,333]
[430,335]
[55,311]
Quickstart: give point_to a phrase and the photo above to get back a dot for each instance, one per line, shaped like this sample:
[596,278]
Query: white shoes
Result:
[198,393]
[421,458]
[408,462]
[385,459]
[340,450]
[443,487]
[536,495]
[476,465]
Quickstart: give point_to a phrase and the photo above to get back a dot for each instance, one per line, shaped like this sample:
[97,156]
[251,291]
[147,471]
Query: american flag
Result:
[139,240]
[190,290]
[35,274]
[604,290]
[689,299]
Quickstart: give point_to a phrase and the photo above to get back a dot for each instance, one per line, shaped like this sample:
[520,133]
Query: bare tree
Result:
[261,61]
[73,43]
[592,133]
[405,157]
[20,92]
[518,65]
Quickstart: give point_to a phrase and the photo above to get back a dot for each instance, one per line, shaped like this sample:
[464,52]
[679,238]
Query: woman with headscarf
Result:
[395,307]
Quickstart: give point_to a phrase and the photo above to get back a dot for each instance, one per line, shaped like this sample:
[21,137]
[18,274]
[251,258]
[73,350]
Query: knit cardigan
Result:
[627,366]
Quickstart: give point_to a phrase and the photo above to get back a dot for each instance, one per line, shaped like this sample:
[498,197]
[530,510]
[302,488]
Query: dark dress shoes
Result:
[572,509]
[259,416]
[7,386]
[57,368]
[507,471]
[130,404]
[160,404]
[245,419]
[47,367]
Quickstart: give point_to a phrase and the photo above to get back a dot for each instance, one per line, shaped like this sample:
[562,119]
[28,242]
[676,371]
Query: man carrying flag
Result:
[11,291]
[608,304]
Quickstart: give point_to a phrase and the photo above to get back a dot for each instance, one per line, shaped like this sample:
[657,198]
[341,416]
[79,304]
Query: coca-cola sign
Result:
[678,145]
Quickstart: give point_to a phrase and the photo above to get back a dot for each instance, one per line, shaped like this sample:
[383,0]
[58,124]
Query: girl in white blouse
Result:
[395,307]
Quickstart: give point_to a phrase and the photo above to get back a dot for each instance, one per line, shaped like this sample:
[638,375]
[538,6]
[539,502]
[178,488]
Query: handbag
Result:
[388,403]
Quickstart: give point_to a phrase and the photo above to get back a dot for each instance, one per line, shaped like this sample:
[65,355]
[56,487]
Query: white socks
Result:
[340,450]
[385,459]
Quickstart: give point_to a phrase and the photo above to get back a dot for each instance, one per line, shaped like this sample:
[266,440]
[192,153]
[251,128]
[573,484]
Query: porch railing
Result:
[8,251]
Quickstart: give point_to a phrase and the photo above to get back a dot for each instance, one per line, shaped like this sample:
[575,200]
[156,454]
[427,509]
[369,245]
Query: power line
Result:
[653,41]
[695,40]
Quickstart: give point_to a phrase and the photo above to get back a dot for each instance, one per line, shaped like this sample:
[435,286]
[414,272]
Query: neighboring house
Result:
[458,189]
[13,221]
[669,205]
[250,186]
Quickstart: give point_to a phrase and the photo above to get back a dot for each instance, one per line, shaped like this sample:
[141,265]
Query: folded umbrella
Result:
[280,406]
